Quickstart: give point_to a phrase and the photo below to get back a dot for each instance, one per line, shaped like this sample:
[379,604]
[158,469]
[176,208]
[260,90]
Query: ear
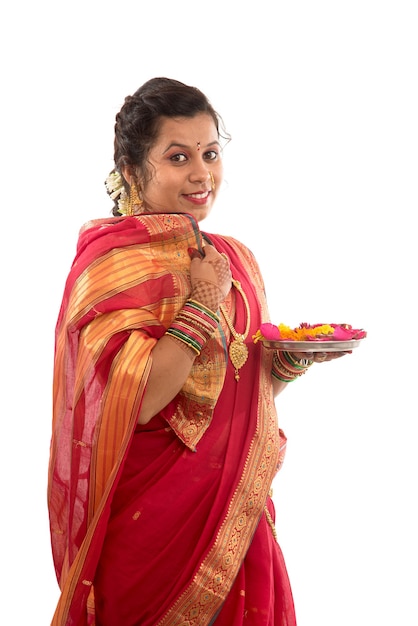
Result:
[127,174]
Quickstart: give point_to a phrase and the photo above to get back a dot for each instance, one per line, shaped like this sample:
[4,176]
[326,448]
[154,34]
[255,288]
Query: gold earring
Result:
[212,181]
[135,202]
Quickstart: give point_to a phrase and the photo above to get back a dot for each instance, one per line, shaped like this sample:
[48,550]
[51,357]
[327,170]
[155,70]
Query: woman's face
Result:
[186,153]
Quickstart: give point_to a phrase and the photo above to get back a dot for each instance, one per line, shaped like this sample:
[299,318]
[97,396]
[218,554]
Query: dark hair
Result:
[137,123]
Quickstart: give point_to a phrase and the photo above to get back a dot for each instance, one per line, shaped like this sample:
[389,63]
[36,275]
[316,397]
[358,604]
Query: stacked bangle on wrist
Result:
[286,368]
[194,325]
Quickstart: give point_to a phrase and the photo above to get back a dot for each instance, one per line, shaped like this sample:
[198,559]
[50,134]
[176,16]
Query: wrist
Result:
[287,368]
[194,325]
[209,297]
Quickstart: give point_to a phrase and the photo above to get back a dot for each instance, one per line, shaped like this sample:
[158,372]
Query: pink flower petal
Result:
[270,331]
[343,333]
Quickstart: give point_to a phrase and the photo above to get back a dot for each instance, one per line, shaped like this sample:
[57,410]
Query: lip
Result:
[198,198]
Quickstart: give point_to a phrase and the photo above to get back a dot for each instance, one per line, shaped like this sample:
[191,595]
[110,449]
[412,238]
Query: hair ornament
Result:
[116,190]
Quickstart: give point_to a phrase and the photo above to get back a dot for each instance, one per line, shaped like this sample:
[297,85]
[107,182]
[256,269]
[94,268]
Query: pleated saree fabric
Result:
[168,523]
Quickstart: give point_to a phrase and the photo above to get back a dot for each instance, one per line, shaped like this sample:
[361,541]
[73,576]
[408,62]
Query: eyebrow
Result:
[174,144]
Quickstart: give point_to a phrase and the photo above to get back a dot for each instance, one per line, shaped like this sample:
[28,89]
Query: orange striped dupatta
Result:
[128,280]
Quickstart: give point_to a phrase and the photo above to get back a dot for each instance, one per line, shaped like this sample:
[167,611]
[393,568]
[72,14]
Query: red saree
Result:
[163,524]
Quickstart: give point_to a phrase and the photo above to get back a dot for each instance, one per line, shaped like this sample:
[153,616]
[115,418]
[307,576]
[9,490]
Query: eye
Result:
[211,155]
[178,158]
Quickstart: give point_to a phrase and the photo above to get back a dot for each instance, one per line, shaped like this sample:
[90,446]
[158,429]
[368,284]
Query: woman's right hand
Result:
[210,276]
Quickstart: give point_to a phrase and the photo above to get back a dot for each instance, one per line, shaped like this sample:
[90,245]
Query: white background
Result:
[321,100]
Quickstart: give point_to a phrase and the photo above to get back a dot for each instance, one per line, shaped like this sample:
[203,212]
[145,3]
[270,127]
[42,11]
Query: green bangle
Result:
[298,363]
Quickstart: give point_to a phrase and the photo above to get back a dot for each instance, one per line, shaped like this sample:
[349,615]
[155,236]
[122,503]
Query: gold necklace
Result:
[238,351]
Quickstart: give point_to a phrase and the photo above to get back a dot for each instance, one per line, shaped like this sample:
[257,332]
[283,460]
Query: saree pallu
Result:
[169,517]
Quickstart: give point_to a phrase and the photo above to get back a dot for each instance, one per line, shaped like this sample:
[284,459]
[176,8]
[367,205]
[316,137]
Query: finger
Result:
[338,355]
[209,251]
[213,256]
[194,253]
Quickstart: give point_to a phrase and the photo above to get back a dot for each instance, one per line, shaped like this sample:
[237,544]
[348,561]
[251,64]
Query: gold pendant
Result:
[238,353]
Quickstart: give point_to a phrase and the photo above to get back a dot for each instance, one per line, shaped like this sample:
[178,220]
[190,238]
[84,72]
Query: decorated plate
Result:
[312,346]
[310,337]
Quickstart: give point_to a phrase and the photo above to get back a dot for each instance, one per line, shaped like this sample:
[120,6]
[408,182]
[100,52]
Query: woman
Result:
[165,439]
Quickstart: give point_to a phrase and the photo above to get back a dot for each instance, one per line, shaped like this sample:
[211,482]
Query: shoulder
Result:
[223,241]
[239,255]
[234,245]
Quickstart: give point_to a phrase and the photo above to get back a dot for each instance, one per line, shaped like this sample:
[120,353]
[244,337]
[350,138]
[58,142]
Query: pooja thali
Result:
[312,346]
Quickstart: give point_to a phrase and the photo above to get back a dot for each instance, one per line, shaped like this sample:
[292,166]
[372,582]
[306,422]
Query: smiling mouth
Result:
[199,196]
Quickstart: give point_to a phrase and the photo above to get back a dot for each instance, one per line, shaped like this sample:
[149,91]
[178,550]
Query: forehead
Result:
[187,130]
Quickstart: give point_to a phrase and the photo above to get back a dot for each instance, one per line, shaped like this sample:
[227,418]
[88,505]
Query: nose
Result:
[200,172]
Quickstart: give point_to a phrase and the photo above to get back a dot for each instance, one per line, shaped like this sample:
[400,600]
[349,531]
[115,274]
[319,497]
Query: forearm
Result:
[173,356]
[171,365]
[287,367]
[278,386]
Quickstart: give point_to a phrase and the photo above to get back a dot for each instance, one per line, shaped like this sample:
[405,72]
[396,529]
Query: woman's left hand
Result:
[319,357]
